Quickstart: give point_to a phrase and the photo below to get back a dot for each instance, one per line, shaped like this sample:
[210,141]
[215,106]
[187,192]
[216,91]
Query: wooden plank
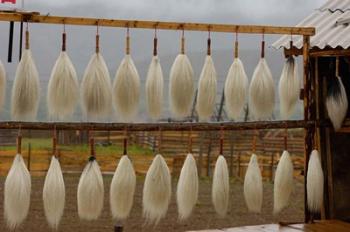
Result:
[250,29]
[165,126]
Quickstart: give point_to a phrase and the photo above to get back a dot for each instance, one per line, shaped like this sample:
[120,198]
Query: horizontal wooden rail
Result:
[174,126]
[250,29]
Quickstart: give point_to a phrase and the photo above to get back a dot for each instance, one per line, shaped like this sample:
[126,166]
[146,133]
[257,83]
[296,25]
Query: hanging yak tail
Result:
[283,185]
[17,193]
[90,191]
[253,186]
[262,91]
[96,89]
[54,194]
[122,189]
[156,191]
[154,88]
[2,85]
[126,89]
[181,86]
[187,188]
[289,87]
[314,183]
[63,89]
[206,90]
[25,90]
[336,101]
[236,88]
[221,187]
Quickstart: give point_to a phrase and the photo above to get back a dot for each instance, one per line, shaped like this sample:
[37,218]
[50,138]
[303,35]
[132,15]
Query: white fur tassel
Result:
[262,91]
[122,189]
[221,186]
[181,86]
[126,89]
[289,88]
[90,192]
[96,89]
[314,183]
[2,85]
[187,188]
[154,88]
[17,193]
[54,194]
[337,102]
[236,89]
[63,89]
[253,186]
[283,185]
[26,90]
[156,191]
[206,97]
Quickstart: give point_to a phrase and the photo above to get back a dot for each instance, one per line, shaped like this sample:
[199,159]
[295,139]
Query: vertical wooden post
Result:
[231,152]
[239,165]
[272,164]
[307,132]
[200,159]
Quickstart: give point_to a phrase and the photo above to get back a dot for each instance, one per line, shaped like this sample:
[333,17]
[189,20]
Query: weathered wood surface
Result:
[319,226]
[250,29]
[165,126]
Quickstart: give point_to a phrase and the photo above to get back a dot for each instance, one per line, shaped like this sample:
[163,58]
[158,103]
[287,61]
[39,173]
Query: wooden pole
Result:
[173,126]
[308,131]
[35,17]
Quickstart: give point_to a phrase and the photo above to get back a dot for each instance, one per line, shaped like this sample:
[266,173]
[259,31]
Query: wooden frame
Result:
[308,123]
[35,17]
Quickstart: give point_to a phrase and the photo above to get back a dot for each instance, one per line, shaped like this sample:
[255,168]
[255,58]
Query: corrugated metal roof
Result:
[334,5]
[327,32]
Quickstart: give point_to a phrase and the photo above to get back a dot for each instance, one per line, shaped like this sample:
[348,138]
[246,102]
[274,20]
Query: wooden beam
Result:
[250,29]
[329,52]
[174,126]
[307,133]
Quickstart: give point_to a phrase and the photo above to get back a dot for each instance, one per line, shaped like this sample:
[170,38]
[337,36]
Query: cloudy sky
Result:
[46,39]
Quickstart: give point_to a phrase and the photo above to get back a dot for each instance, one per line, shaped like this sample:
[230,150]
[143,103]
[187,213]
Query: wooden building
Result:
[329,52]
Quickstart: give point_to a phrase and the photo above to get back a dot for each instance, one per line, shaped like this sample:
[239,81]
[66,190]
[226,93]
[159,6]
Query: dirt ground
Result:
[203,216]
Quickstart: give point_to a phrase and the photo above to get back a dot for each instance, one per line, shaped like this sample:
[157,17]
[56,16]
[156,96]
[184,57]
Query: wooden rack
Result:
[35,17]
[308,95]
[173,126]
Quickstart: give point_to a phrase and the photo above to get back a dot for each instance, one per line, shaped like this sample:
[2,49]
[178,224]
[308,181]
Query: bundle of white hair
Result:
[17,191]
[207,85]
[54,194]
[122,189]
[96,87]
[336,100]
[154,86]
[253,187]
[181,86]
[187,188]
[63,87]
[126,87]
[236,87]
[262,90]
[314,183]
[221,187]
[289,88]
[283,185]
[90,189]
[26,88]
[156,191]
[2,85]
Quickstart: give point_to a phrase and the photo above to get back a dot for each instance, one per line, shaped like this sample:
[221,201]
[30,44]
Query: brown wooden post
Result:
[272,164]
[239,165]
[200,159]
[308,134]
